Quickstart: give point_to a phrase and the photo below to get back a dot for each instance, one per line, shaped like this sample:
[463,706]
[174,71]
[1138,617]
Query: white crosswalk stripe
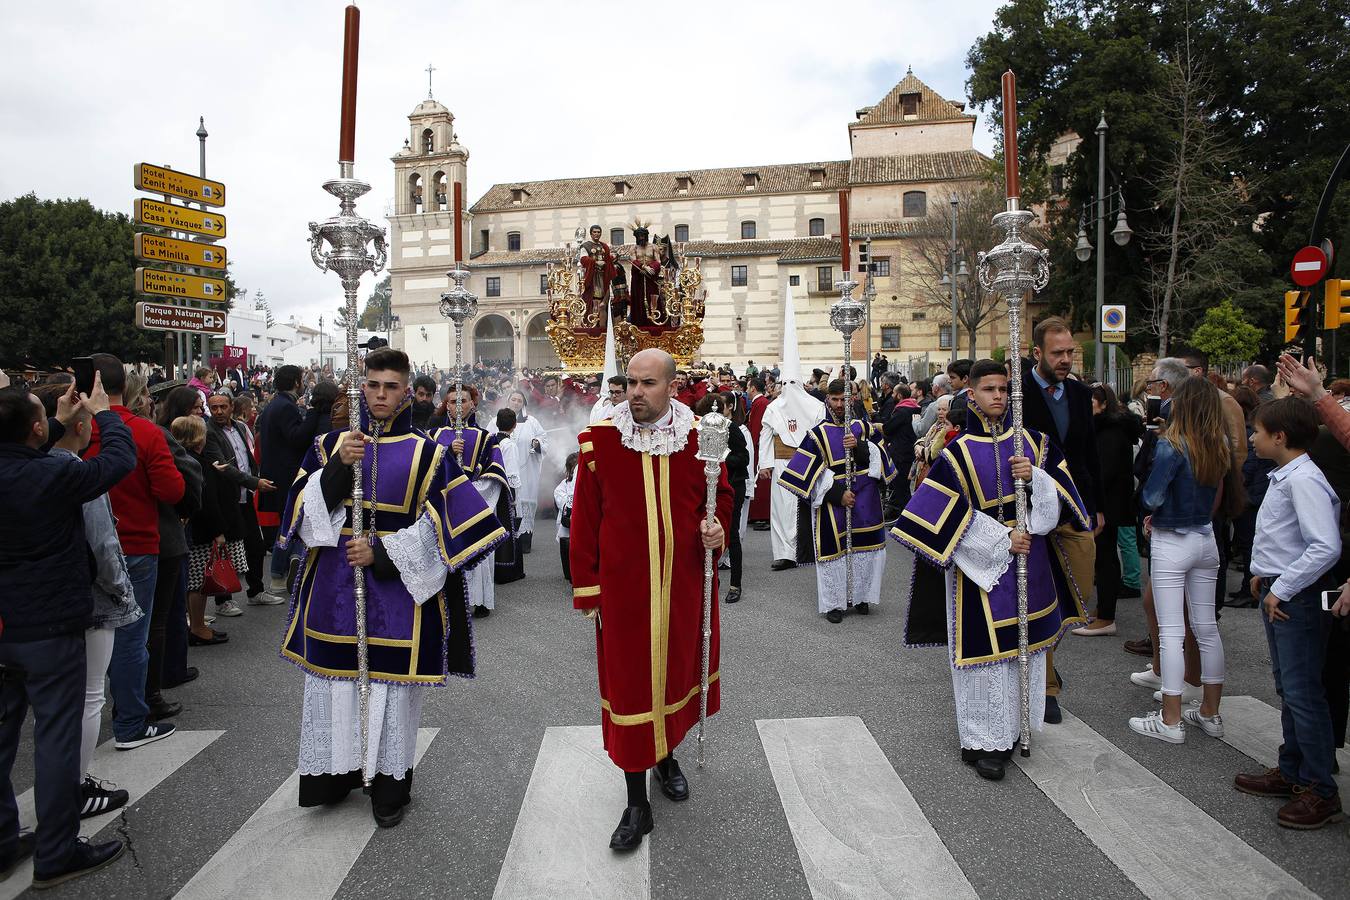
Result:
[858,830]
[1252,726]
[1162,841]
[560,845]
[136,771]
[284,849]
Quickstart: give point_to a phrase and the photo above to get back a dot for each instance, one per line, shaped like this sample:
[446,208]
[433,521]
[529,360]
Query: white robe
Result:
[868,565]
[531,461]
[782,502]
[482,589]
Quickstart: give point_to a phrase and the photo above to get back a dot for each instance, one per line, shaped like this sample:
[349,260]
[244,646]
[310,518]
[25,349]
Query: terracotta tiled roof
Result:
[786,250]
[793,178]
[917,167]
[931,106]
[892,228]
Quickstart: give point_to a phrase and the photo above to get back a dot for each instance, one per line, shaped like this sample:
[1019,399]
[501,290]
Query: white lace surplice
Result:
[482,589]
[868,565]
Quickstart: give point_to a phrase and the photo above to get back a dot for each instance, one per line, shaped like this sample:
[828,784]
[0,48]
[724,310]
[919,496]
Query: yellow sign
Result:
[159,180]
[179,218]
[1113,337]
[174,284]
[1335,303]
[186,253]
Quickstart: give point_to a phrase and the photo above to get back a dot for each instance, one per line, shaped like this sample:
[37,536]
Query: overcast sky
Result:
[538,89]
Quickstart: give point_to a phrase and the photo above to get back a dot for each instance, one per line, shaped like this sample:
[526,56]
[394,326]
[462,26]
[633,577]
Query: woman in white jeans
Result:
[1183,490]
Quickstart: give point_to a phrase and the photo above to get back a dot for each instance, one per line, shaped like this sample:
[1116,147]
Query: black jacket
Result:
[899,430]
[219,512]
[738,457]
[1080,445]
[45,563]
[1116,436]
[284,436]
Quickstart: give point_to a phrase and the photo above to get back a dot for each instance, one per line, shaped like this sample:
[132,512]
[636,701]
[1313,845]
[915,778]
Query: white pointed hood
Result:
[793,412]
[601,409]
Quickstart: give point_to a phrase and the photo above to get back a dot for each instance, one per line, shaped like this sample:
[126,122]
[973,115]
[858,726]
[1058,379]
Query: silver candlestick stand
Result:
[847,316]
[459,305]
[1012,270]
[347,236]
[713,446]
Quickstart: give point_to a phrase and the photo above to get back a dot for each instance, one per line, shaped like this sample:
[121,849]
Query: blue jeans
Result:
[1297,651]
[130,659]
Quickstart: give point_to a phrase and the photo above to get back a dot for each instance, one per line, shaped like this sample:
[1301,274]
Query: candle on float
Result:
[459,223]
[351,33]
[1010,177]
[844,247]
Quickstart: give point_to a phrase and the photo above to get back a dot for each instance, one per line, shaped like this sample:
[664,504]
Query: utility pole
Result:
[1101,244]
[951,259]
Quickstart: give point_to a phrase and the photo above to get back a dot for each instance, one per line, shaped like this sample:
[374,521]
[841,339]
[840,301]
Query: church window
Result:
[824,279]
[915,204]
[616,236]
[944,337]
[681,234]
[543,283]
[494,286]
[881,266]
[890,337]
[518,196]
[620,189]
[415,192]
[740,276]
[909,103]
[751,180]
[816,228]
[748,231]
[817,177]
[483,241]
[513,240]
[428,141]
[682,184]
[794,280]
[442,191]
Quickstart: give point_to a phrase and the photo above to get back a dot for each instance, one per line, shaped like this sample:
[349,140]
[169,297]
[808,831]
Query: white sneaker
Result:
[266,599]
[1210,725]
[1147,679]
[229,609]
[1189,694]
[1152,725]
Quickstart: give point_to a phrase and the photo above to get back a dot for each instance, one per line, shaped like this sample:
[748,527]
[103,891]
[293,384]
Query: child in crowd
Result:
[562,498]
[1297,543]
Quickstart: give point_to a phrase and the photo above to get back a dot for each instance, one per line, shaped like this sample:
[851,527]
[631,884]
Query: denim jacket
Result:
[114,600]
[1172,493]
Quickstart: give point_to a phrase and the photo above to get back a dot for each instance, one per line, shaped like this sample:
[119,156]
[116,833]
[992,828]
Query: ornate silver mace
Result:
[459,304]
[713,437]
[847,316]
[1012,270]
[347,236]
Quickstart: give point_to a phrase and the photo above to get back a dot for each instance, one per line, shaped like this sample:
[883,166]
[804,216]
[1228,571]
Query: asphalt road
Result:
[780,660]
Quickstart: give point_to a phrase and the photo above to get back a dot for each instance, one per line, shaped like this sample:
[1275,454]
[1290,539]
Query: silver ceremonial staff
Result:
[847,316]
[1012,270]
[459,304]
[713,432]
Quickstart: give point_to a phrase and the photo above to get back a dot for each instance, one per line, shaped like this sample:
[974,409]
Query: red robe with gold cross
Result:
[637,554]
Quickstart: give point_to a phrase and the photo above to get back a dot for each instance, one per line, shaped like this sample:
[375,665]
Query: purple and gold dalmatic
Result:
[482,453]
[407,476]
[822,454]
[965,479]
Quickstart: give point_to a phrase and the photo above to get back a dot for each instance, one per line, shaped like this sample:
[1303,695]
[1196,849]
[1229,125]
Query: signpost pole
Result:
[201,172]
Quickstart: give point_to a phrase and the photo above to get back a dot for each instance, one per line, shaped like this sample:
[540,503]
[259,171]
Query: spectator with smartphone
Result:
[47,604]
[1297,543]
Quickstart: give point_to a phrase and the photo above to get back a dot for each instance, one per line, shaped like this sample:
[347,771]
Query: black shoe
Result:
[481,612]
[673,783]
[636,821]
[163,709]
[991,767]
[1129,593]
[1246,601]
[387,817]
[526,541]
[1052,714]
[151,733]
[734,595]
[292,570]
[835,616]
[83,859]
[23,849]
[862,609]
[189,674]
[99,799]
[217,637]
[781,564]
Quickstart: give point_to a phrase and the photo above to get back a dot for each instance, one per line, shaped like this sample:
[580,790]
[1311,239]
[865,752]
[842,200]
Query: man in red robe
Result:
[638,537]
[759,506]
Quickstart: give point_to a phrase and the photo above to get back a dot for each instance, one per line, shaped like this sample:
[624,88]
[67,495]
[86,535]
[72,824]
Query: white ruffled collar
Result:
[663,439]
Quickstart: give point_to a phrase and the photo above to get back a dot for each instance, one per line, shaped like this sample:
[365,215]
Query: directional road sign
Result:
[176,284]
[166,317]
[172,250]
[179,218]
[159,180]
[1309,266]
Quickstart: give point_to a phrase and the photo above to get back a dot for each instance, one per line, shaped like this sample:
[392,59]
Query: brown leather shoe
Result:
[1269,783]
[1141,647]
[1309,810]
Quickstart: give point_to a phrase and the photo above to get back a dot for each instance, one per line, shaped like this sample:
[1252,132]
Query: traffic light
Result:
[1295,315]
[1335,303]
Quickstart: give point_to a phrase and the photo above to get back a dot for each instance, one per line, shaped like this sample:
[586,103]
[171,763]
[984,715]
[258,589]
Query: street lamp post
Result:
[321,342]
[1083,250]
[954,273]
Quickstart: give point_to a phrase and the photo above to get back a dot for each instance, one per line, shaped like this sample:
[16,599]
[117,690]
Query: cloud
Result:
[539,90]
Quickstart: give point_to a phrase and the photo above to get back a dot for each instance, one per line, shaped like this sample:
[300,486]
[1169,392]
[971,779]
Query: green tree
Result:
[376,311]
[66,284]
[1226,335]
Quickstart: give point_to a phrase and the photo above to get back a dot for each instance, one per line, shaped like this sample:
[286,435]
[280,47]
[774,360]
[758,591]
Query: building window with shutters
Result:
[915,204]
[824,279]
[616,236]
[890,337]
[944,337]
[794,280]
[918,316]
[816,228]
[513,240]
[740,276]
[543,283]
[494,286]
[881,266]
[681,234]
[747,231]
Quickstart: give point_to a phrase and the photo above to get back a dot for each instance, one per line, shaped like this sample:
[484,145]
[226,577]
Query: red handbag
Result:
[219,577]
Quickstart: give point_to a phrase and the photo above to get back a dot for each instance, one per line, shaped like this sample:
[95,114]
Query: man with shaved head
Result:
[638,537]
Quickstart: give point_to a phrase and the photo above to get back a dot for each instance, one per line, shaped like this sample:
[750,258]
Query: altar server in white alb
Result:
[531,447]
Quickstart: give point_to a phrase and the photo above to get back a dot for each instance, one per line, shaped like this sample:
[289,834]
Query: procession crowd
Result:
[149,504]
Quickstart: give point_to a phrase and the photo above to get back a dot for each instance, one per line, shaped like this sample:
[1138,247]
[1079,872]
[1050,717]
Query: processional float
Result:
[347,236]
[1014,270]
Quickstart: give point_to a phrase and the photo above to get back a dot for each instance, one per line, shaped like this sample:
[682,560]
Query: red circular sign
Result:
[1309,266]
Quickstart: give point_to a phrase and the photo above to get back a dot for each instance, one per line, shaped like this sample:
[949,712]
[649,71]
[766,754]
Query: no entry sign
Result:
[1309,266]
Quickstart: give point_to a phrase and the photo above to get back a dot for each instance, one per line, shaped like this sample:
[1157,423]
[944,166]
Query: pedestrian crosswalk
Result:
[857,829]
